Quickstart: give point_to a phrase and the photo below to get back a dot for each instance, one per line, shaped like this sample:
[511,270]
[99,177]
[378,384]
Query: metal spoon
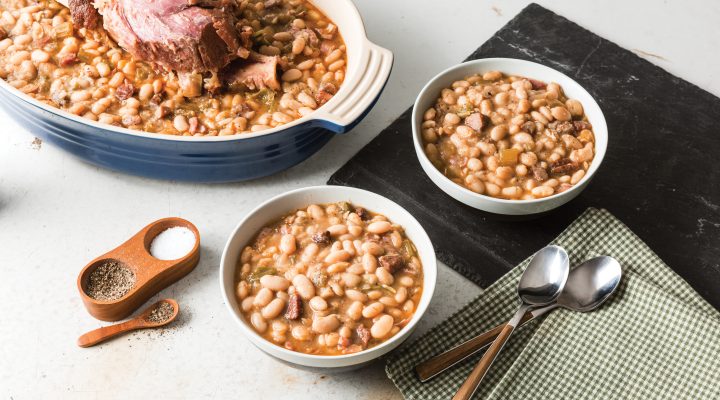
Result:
[588,286]
[540,284]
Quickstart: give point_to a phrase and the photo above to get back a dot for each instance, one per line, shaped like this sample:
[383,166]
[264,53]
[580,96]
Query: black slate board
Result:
[660,175]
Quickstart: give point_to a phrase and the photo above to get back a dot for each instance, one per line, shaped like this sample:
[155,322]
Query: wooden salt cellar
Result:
[151,274]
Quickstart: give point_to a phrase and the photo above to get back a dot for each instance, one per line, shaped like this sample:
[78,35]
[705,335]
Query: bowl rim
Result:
[425,300]
[316,115]
[579,186]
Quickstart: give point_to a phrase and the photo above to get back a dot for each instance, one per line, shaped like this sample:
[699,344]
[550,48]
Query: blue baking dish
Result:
[227,158]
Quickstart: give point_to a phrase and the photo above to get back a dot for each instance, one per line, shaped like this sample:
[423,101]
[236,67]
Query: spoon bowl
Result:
[145,316]
[545,276]
[590,284]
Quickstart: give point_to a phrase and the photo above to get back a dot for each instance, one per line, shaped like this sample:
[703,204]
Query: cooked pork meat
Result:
[83,13]
[257,72]
[182,35]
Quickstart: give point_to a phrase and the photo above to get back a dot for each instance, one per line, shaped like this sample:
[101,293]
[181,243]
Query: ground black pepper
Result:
[110,281]
[161,313]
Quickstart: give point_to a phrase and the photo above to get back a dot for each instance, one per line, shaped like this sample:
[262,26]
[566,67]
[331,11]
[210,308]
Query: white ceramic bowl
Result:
[285,203]
[572,89]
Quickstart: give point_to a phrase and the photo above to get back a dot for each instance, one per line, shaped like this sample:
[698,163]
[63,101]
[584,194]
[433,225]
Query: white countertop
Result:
[56,213]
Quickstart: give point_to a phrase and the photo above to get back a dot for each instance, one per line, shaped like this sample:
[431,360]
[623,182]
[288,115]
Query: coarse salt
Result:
[172,243]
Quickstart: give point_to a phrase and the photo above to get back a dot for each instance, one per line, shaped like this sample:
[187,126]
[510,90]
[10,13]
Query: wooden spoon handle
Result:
[473,380]
[439,363]
[106,332]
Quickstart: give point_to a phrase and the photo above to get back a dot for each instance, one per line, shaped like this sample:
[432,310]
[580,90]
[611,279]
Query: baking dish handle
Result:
[341,116]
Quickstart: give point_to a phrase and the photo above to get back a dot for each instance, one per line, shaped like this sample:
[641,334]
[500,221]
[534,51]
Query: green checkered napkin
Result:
[656,338]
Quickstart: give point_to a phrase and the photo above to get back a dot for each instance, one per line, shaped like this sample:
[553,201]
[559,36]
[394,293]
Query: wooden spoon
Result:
[142,321]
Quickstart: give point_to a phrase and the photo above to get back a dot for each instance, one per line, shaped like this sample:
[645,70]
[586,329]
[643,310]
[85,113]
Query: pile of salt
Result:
[172,243]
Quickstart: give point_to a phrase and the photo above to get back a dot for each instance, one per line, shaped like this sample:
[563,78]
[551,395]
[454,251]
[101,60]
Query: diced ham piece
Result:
[565,128]
[294,307]
[322,238]
[540,174]
[125,91]
[343,342]
[580,125]
[537,85]
[475,121]
[563,166]
[66,60]
[392,262]
[362,213]
[307,34]
[363,335]
[325,93]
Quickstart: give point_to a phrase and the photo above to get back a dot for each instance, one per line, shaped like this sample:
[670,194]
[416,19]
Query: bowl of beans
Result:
[311,73]
[508,136]
[328,276]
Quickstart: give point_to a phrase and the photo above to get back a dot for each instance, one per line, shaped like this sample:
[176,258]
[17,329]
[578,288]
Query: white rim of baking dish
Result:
[421,241]
[598,125]
[368,70]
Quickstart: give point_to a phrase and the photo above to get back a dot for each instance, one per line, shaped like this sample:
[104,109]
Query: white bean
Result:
[356,295]
[388,301]
[406,281]
[273,309]
[303,286]
[351,280]
[180,123]
[355,310]
[382,326]
[373,310]
[336,256]
[258,322]
[247,304]
[401,294]
[369,263]
[317,303]
[291,75]
[263,297]
[337,230]
[384,276]
[373,248]
[379,227]
[242,290]
[38,56]
[274,283]
[287,244]
[325,324]
[300,332]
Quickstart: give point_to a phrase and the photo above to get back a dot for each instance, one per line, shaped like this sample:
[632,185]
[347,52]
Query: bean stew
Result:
[83,71]
[508,137]
[329,279]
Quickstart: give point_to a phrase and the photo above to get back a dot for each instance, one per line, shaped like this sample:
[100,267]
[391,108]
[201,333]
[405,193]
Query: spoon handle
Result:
[106,332]
[473,380]
[439,363]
